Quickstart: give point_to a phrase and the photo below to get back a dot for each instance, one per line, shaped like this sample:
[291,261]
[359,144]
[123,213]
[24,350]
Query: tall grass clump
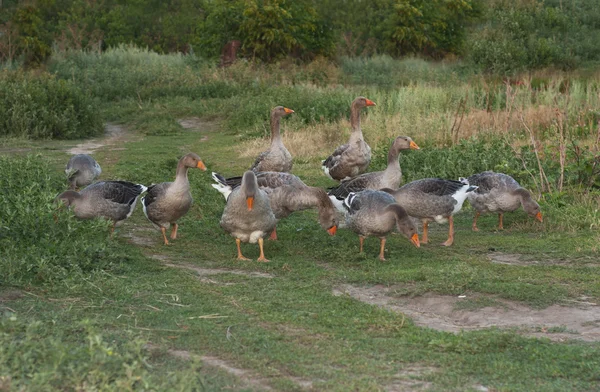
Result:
[36,356]
[39,106]
[130,72]
[36,249]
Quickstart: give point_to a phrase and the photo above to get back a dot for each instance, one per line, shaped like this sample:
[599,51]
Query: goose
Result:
[277,158]
[499,193]
[287,193]
[166,202]
[82,170]
[433,199]
[351,159]
[247,215]
[376,213]
[114,200]
[391,177]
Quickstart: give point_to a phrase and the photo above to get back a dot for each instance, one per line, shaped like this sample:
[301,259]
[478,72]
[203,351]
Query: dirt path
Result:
[440,312]
[113,134]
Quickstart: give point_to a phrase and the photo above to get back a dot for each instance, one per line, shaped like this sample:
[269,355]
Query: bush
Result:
[40,106]
[33,247]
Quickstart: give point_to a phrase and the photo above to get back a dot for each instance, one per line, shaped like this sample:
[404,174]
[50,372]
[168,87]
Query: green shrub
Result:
[33,247]
[40,106]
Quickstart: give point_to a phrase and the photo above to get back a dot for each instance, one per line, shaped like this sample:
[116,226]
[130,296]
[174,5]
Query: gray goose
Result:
[498,192]
[287,193]
[391,177]
[166,202]
[82,170]
[114,200]
[248,216]
[376,213]
[351,159]
[277,158]
[433,199]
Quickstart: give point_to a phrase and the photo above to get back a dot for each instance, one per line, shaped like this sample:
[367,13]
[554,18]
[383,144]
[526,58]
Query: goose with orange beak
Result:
[351,159]
[499,193]
[277,158]
[376,213]
[248,215]
[287,194]
[167,202]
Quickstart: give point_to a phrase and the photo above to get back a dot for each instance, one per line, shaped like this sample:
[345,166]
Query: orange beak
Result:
[369,102]
[538,216]
[201,165]
[332,230]
[415,240]
[414,146]
[250,202]
[288,111]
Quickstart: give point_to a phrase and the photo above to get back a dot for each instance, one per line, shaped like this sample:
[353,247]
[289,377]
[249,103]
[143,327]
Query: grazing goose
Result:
[277,158]
[114,200]
[499,193]
[376,213]
[82,170]
[287,193]
[391,177]
[248,215]
[433,199]
[350,160]
[166,202]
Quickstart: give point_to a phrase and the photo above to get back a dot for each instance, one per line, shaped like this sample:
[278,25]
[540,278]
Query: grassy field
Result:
[511,310]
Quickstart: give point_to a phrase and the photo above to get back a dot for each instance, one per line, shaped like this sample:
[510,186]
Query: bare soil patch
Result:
[113,133]
[196,124]
[10,295]
[440,312]
[407,379]
[202,272]
[522,260]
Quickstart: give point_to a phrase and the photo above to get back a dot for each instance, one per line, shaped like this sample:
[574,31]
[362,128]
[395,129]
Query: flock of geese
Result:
[370,204]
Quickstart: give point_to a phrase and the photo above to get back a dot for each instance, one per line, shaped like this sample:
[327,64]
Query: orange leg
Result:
[164,234]
[500,225]
[425,238]
[450,232]
[240,256]
[361,239]
[262,253]
[273,236]
[474,227]
[382,248]
[174,231]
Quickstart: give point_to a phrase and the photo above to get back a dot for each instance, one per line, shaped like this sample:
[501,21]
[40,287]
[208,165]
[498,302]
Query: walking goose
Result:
[247,215]
[82,170]
[166,202]
[498,192]
[277,158]
[376,213]
[287,193]
[433,199]
[114,200]
[391,177]
[351,159]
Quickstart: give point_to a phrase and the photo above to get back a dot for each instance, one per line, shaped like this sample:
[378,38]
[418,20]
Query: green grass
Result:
[289,325]
[80,310]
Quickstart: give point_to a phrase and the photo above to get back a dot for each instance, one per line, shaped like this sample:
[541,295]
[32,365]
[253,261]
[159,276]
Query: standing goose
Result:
[166,202]
[287,193]
[351,159]
[114,200]
[391,177]
[82,170]
[277,158]
[376,213]
[248,215]
[498,192]
[433,199]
